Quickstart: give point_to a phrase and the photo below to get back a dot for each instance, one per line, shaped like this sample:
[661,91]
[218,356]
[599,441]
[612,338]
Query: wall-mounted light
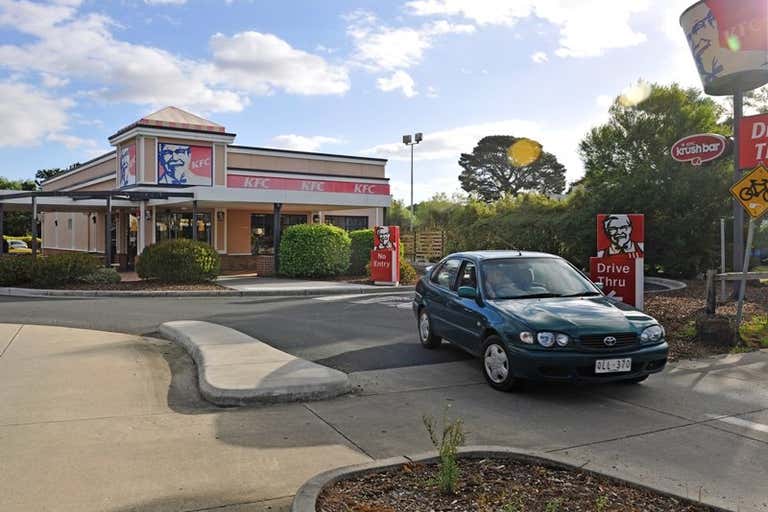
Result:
[147,214]
[93,219]
[220,216]
[56,222]
[316,218]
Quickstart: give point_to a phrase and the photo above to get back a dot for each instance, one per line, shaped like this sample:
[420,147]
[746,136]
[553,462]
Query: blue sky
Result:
[334,76]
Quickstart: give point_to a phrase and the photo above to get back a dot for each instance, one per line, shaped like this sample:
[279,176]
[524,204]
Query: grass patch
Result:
[755,331]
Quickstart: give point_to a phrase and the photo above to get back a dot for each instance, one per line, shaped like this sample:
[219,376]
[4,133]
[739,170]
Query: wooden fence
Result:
[428,245]
[713,276]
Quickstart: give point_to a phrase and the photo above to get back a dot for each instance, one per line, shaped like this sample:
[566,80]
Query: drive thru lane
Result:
[350,333]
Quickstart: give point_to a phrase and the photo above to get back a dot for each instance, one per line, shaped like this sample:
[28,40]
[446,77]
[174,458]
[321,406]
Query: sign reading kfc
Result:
[620,257]
[753,143]
[181,164]
[385,255]
[700,148]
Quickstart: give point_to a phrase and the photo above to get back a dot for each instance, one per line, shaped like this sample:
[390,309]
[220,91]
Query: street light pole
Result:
[409,140]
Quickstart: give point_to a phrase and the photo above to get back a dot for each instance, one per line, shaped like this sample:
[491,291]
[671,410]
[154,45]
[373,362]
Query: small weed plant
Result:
[447,442]
[601,504]
[553,505]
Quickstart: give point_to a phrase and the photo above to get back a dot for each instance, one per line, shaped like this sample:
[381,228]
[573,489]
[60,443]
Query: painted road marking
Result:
[398,301]
[741,422]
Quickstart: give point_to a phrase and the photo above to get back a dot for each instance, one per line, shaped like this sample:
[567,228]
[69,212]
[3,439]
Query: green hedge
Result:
[179,261]
[102,275]
[314,250]
[15,269]
[61,269]
[362,243]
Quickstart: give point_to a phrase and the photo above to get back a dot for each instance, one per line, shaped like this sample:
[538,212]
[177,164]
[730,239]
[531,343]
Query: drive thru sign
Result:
[752,192]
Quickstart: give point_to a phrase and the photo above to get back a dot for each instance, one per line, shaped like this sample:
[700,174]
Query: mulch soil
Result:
[678,310]
[494,485]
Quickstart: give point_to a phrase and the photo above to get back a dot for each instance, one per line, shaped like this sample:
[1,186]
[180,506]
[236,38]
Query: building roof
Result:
[176,119]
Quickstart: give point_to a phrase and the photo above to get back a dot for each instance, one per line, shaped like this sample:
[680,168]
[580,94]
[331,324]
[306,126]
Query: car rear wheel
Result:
[496,365]
[426,336]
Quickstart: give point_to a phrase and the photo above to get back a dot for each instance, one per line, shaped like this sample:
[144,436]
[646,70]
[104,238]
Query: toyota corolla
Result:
[534,316]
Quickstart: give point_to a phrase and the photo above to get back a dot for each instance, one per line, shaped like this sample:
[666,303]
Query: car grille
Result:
[597,341]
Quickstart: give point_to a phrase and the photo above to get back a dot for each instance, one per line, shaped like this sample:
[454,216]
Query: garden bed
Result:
[145,286]
[678,310]
[498,484]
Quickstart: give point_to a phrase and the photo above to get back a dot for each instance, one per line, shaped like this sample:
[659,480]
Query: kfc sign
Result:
[620,257]
[729,43]
[182,164]
[753,143]
[385,255]
[700,148]
[306,185]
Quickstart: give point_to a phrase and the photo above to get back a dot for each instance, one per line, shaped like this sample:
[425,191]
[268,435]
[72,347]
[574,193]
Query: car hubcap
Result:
[496,363]
[424,327]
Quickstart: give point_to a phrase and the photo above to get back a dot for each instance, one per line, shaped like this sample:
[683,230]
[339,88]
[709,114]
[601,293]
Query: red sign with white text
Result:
[753,143]
[621,277]
[699,148]
[385,255]
[306,185]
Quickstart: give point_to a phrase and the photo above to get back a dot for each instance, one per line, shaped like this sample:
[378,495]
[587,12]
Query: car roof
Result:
[497,255]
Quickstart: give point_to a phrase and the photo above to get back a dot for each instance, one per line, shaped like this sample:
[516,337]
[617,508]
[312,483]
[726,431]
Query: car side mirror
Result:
[467,292]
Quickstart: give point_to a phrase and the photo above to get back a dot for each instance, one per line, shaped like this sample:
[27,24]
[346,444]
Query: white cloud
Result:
[29,115]
[382,48]
[165,2]
[575,20]
[72,141]
[260,63]
[53,81]
[399,80]
[72,46]
[302,142]
[432,92]
[605,100]
[539,57]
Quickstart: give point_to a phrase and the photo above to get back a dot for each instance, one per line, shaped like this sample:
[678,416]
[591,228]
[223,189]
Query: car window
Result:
[468,275]
[445,276]
[521,277]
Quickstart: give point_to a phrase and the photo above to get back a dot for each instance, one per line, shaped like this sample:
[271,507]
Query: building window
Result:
[348,222]
[173,225]
[263,231]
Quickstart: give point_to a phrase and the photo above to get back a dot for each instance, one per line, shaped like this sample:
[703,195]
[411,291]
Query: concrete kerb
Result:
[669,285]
[263,292]
[307,495]
[235,369]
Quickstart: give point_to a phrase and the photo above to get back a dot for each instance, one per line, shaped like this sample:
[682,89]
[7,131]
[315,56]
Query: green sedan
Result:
[534,316]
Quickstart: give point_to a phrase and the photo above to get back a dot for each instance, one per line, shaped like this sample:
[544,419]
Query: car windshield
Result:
[518,278]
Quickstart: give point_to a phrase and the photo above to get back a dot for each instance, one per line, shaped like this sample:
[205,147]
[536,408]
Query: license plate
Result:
[613,365]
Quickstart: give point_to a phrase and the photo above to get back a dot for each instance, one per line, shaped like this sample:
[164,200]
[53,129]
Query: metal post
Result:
[34,226]
[722,258]
[194,220]
[411,189]
[2,215]
[743,282]
[276,234]
[738,211]
[108,234]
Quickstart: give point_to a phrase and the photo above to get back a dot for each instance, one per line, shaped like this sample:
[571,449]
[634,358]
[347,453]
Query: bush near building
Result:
[15,269]
[61,269]
[314,250]
[179,261]
[362,243]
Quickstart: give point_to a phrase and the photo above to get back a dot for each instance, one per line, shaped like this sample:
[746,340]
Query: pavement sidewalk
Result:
[95,421]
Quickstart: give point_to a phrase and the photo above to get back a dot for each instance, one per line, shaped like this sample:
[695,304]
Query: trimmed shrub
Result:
[362,243]
[314,250]
[407,272]
[179,261]
[102,276]
[15,269]
[60,269]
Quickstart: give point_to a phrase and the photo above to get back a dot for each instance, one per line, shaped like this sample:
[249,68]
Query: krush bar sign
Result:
[620,257]
[700,148]
[306,185]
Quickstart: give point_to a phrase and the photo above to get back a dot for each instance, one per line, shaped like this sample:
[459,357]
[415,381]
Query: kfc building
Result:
[173,174]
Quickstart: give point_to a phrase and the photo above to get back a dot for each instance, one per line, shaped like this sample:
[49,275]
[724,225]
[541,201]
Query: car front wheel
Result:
[496,365]
[426,336]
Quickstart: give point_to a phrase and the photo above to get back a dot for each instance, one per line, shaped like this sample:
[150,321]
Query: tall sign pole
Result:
[738,211]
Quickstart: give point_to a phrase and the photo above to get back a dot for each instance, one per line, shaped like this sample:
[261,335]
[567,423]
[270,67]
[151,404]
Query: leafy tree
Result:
[629,169]
[17,223]
[399,215]
[488,173]
[45,174]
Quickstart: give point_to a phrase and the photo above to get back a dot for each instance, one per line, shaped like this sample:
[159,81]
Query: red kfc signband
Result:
[306,185]
[742,22]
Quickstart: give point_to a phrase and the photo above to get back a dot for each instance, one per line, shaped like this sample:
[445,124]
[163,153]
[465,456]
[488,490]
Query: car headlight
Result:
[652,334]
[562,339]
[526,337]
[546,339]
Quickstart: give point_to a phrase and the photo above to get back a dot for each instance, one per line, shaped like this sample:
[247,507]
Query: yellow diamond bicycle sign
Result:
[752,192]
